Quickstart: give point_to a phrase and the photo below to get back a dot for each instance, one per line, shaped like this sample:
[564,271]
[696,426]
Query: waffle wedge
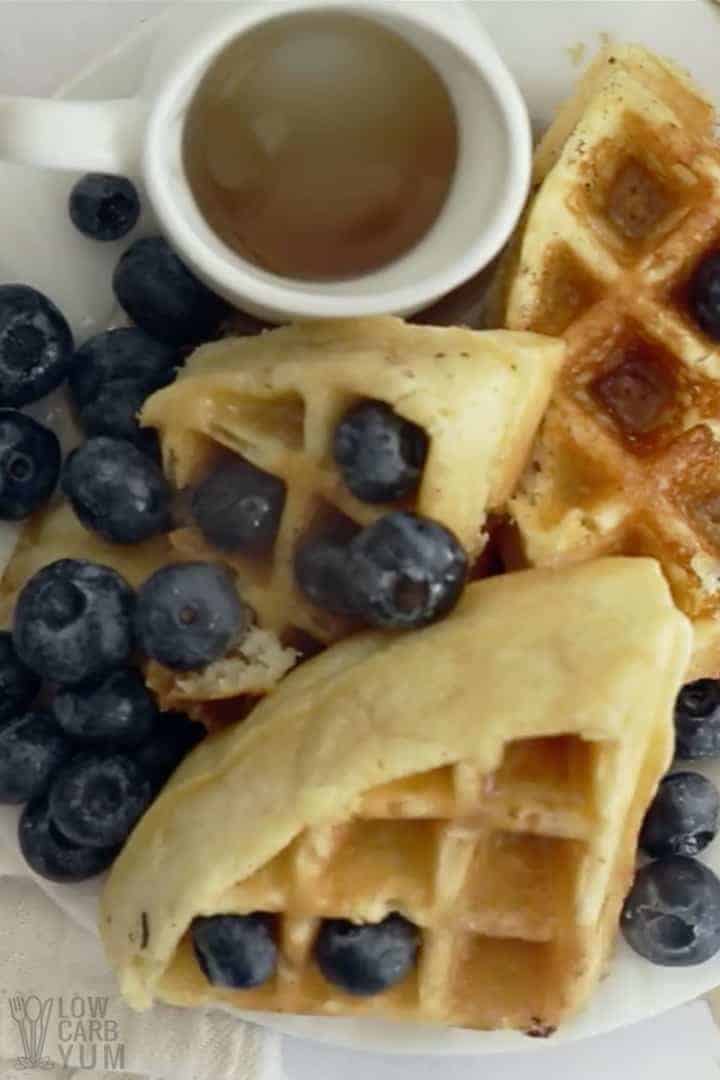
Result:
[486,777]
[276,399]
[626,205]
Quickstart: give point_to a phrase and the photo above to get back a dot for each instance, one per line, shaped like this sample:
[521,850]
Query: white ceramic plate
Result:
[543,43]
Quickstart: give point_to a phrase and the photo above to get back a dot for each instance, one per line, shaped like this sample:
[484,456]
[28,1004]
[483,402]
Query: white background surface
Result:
[45,43]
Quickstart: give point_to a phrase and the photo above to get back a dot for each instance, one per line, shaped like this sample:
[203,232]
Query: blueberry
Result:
[369,958]
[117,491]
[238,508]
[115,414]
[126,407]
[51,855]
[683,817]
[406,571]
[321,574]
[189,615]
[705,295]
[73,621]
[381,455]
[29,464]
[32,747]
[36,345]
[19,685]
[162,295]
[238,951]
[111,376]
[697,719]
[104,207]
[173,737]
[672,915]
[117,711]
[96,799]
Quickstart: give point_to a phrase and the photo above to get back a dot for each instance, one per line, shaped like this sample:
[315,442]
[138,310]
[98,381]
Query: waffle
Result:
[276,399]
[485,776]
[626,204]
[252,668]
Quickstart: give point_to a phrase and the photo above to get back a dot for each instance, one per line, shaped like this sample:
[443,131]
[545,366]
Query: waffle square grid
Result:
[627,204]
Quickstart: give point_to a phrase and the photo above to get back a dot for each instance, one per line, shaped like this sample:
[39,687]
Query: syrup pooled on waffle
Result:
[485,778]
[626,208]
[275,400]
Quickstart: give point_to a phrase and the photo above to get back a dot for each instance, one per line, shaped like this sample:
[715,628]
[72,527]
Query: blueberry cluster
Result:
[91,758]
[672,914]
[240,951]
[113,481]
[402,572]
[75,621]
[92,753]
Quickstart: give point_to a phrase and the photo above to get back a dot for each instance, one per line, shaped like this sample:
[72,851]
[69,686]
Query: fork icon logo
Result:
[32,1017]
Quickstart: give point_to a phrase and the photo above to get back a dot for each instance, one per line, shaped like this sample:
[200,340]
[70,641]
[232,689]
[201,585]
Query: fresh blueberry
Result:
[115,414]
[321,574]
[32,747]
[173,737]
[162,295]
[406,571]
[238,508]
[368,958]
[189,615]
[697,720]
[672,915]
[96,799]
[19,686]
[104,207]
[117,711]
[125,352]
[29,464]
[51,855]
[705,295]
[381,455]
[73,621]
[36,345]
[117,491]
[683,817]
[238,951]
[111,376]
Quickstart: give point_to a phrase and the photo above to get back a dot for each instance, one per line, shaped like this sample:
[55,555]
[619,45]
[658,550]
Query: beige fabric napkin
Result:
[61,1016]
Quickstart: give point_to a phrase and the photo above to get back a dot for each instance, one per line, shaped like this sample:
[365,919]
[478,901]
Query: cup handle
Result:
[84,136]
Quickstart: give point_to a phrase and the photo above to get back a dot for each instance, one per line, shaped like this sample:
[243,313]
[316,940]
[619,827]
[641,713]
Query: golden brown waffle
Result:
[486,777]
[276,399]
[627,203]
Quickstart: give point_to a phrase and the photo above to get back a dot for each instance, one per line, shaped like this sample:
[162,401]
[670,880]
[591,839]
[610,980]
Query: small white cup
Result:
[142,137]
